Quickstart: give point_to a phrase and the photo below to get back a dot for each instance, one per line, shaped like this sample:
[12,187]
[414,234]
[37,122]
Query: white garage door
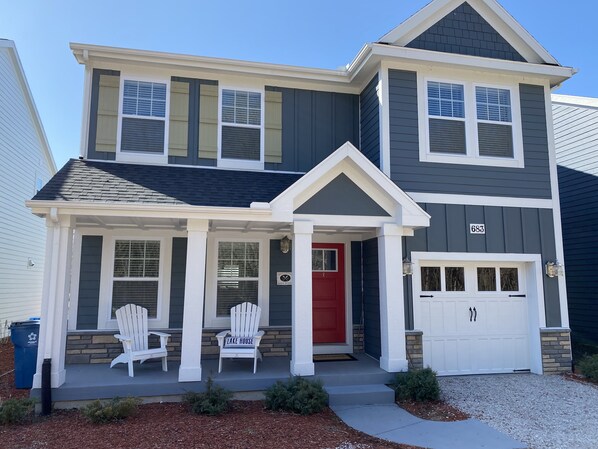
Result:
[474,317]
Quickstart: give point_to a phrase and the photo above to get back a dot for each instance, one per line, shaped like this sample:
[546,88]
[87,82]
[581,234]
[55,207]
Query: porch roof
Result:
[112,182]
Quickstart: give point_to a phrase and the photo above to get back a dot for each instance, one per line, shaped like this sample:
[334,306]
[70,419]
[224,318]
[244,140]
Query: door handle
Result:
[470,314]
[475,314]
[516,296]
[426,296]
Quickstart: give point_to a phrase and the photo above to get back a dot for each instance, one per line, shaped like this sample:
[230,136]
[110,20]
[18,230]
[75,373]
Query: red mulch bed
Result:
[433,410]
[574,377]
[167,426]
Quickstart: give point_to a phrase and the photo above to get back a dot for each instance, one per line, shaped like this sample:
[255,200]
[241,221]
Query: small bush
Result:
[417,385]
[99,412]
[15,411]
[589,367]
[298,395]
[214,401]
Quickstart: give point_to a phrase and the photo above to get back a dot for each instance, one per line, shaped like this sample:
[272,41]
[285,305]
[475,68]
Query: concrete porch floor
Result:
[98,381]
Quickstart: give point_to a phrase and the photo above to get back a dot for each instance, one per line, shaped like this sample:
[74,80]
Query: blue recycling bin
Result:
[25,336]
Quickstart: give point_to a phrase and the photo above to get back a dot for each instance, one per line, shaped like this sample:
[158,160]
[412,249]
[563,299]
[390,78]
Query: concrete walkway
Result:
[390,422]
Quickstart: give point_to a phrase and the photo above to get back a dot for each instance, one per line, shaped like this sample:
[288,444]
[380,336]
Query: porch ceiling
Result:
[180,224]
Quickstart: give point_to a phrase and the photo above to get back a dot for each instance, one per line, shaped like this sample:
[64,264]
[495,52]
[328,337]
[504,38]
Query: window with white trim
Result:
[237,276]
[143,124]
[471,123]
[241,125]
[136,275]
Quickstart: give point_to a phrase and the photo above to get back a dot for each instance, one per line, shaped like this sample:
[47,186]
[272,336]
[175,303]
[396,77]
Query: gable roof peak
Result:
[490,10]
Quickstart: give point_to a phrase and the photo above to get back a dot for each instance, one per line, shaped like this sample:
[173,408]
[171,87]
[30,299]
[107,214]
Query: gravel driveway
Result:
[546,412]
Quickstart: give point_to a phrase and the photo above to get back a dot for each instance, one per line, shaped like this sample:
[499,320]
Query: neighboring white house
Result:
[26,164]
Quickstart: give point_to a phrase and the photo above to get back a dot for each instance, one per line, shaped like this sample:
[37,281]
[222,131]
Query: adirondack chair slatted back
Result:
[245,320]
[132,322]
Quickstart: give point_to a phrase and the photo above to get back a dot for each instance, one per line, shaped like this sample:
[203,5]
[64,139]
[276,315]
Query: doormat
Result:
[333,358]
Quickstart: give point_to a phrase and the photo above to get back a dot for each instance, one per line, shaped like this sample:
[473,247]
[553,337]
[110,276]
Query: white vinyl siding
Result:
[22,163]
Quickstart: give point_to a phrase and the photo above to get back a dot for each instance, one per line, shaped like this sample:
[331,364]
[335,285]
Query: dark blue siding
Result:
[411,175]
[370,122]
[579,213]
[280,295]
[177,282]
[356,281]
[508,230]
[465,32]
[89,282]
[371,299]
[314,124]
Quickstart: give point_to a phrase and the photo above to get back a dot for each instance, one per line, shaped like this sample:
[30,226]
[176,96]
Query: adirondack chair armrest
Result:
[163,337]
[221,336]
[258,338]
[122,338]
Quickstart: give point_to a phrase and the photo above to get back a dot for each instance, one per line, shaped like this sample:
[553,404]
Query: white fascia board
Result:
[475,200]
[490,10]
[556,74]
[108,209]
[570,100]
[10,45]
[85,53]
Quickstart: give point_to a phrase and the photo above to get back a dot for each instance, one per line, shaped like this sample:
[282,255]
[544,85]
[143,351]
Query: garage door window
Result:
[487,279]
[439,279]
[431,279]
[455,279]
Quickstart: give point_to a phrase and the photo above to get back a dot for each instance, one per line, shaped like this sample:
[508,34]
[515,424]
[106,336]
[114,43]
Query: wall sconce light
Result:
[407,267]
[554,269]
[285,244]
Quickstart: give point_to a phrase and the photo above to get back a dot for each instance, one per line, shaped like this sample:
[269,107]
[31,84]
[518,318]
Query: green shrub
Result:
[298,395]
[589,367]
[14,411]
[99,412]
[214,401]
[417,385]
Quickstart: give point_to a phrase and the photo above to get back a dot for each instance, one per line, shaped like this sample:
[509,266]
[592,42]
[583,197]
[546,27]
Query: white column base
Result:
[393,365]
[57,378]
[37,380]
[190,374]
[302,369]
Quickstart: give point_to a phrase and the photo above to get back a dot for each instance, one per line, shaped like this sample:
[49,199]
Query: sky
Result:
[309,33]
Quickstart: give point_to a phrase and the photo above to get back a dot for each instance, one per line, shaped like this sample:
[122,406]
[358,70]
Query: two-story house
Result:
[410,197]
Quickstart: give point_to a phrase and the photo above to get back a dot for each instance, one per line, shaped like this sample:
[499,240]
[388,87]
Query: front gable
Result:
[464,31]
[473,27]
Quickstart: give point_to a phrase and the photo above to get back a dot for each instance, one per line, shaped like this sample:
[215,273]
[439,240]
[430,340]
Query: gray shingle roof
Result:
[109,182]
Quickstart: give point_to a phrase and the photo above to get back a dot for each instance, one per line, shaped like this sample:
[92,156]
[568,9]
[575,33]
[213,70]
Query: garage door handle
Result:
[470,314]
[516,296]
[475,314]
[426,296]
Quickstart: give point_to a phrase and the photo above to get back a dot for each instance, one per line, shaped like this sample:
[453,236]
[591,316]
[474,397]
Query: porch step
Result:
[360,394]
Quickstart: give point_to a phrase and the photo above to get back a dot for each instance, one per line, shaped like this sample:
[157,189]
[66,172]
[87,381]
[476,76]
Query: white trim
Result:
[141,157]
[86,113]
[490,10]
[472,157]
[383,91]
[75,276]
[533,281]
[556,210]
[211,320]
[474,200]
[241,163]
[105,321]
[570,100]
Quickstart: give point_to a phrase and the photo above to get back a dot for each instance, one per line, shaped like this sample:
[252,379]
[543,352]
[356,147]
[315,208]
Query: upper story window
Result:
[241,130]
[470,123]
[143,124]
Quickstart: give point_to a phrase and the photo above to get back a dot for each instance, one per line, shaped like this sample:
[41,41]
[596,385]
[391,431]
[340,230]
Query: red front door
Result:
[328,284]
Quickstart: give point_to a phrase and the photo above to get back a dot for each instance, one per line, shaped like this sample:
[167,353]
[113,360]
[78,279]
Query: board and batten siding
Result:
[371,299]
[576,141]
[509,230]
[369,122]
[412,175]
[314,125]
[22,161]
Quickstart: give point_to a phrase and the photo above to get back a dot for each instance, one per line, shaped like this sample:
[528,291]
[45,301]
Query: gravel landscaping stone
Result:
[545,412]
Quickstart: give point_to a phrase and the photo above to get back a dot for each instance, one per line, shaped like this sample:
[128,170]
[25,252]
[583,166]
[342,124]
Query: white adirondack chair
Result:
[243,339]
[132,324]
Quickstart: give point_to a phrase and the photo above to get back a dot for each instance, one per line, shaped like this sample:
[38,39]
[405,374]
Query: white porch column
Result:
[302,363]
[195,276]
[55,296]
[392,308]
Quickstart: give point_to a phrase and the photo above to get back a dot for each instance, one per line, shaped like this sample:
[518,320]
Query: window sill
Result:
[142,158]
[240,164]
[471,160]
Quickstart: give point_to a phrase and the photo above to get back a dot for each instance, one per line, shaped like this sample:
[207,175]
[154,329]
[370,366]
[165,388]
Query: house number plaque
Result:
[477,228]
